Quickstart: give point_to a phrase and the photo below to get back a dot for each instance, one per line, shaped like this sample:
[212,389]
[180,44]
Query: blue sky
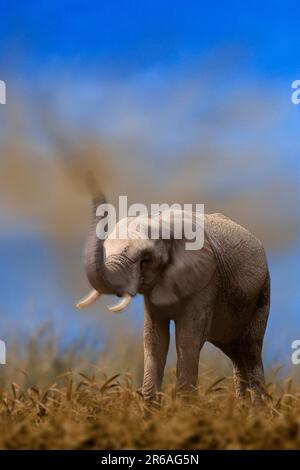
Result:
[128,35]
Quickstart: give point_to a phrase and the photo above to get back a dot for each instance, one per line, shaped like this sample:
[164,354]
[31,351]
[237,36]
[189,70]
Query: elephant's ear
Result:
[189,272]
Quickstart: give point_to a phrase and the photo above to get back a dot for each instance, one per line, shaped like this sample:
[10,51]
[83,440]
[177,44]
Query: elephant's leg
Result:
[191,330]
[156,345]
[254,371]
[251,344]
[246,352]
[239,378]
[248,372]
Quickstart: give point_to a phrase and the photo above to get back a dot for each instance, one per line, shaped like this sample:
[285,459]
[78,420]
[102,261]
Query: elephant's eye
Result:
[146,259]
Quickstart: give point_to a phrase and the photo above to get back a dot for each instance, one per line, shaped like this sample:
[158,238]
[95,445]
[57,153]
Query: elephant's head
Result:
[159,268]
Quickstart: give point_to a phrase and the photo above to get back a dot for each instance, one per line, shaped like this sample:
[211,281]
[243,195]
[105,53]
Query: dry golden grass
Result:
[91,410]
[105,414]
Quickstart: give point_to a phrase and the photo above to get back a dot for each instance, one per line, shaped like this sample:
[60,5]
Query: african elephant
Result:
[220,294]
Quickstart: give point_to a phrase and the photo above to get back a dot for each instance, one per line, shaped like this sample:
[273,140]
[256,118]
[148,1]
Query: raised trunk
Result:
[93,256]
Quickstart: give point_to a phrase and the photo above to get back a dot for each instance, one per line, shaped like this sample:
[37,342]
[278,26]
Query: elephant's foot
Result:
[151,396]
[251,391]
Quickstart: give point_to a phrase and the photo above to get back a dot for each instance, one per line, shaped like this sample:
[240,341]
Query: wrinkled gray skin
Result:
[219,294]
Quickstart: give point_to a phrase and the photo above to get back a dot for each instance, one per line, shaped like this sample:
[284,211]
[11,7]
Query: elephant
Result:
[219,293]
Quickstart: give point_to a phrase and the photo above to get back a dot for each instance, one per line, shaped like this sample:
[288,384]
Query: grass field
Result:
[54,399]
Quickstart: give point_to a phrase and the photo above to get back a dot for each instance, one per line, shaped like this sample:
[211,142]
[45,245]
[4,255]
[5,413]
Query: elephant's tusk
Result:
[126,299]
[89,299]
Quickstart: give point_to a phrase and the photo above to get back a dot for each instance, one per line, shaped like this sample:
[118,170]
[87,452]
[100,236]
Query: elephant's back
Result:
[240,256]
